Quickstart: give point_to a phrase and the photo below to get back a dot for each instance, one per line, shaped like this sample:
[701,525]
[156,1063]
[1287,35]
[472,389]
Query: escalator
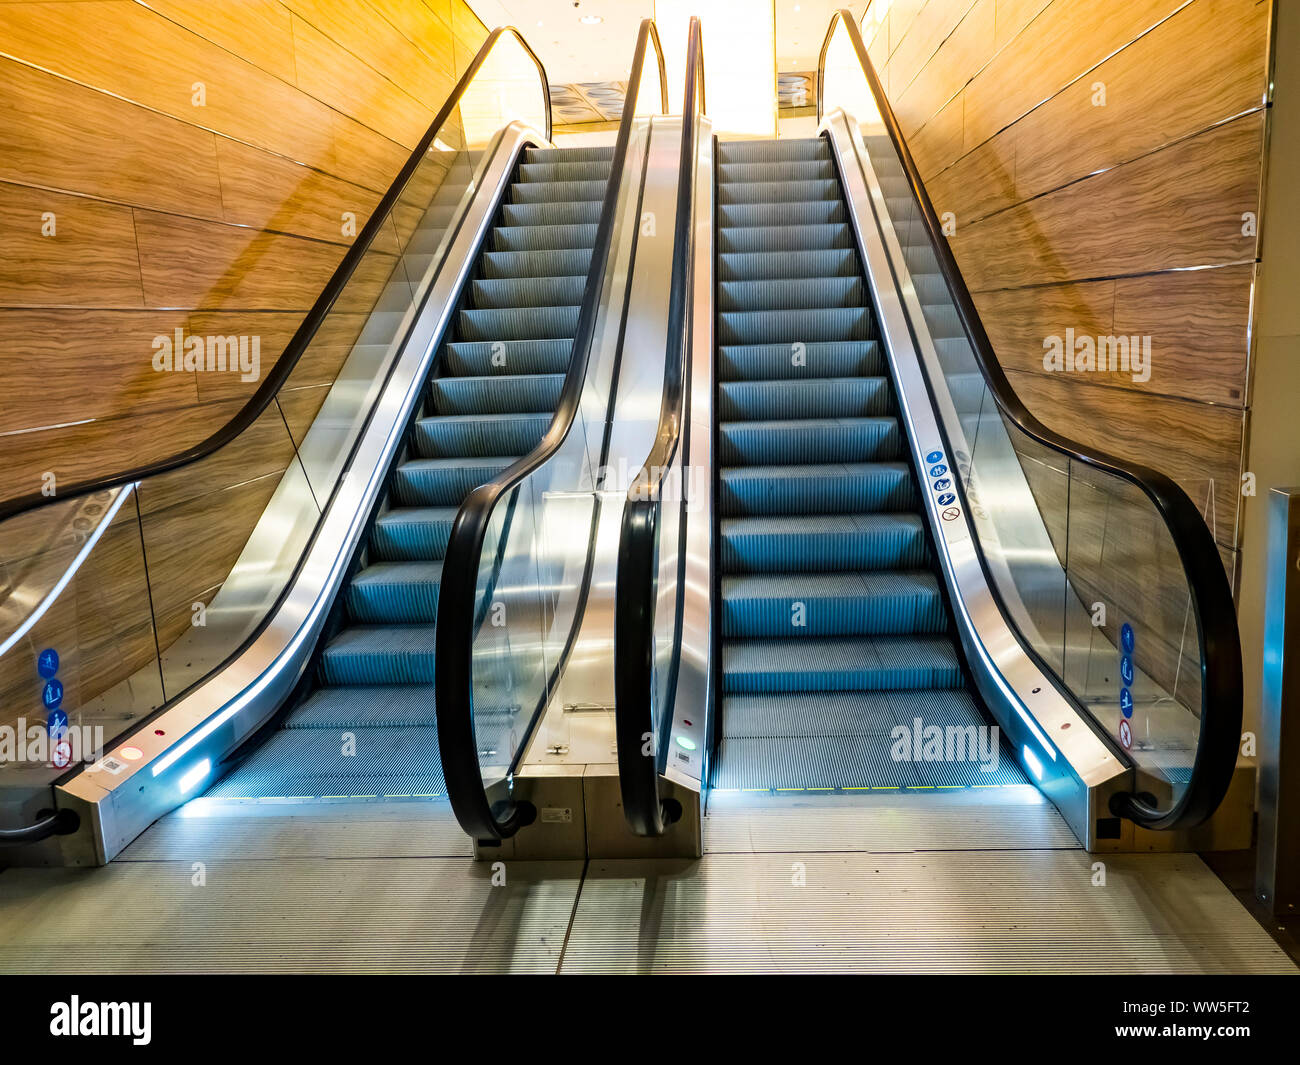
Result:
[461,325]
[490,401]
[892,585]
[835,630]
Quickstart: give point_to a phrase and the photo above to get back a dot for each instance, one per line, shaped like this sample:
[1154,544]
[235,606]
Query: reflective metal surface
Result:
[119,796]
[689,743]
[631,359]
[1053,743]
[1277,869]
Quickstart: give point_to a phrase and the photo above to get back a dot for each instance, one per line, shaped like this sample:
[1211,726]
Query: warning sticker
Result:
[1126,735]
[951,514]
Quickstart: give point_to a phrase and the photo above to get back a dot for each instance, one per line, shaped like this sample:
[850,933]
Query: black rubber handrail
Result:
[49,823]
[480,816]
[640,742]
[1220,643]
[306,331]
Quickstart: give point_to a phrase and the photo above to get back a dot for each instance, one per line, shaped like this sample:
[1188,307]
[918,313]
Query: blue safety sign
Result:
[47,663]
[1126,670]
[934,456]
[57,724]
[1126,702]
[938,471]
[1126,639]
[946,499]
[52,695]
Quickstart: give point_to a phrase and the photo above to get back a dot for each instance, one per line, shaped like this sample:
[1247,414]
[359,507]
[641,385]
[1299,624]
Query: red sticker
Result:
[951,514]
[1125,735]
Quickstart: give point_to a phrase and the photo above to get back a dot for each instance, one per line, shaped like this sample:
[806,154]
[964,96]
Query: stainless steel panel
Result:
[1277,870]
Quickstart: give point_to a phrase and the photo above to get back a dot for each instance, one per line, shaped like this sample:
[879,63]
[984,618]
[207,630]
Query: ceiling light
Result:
[591,20]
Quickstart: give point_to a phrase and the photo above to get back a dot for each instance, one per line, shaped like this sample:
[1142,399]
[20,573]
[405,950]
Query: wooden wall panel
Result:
[1178,207]
[1068,38]
[226,217]
[91,261]
[43,114]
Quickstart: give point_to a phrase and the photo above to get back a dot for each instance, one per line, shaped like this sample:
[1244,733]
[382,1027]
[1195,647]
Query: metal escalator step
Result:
[822,542]
[522,323]
[483,358]
[443,482]
[840,489]
[895,185]
[931,288]
[824,358]
[822,237]
[557,191]
[562,262]
[806,325]
[810,440]
[479,435]
[847,663]
[572,170]
[883,156]
[527,292]
[943,321]
[920,259]
[807,605]
[560,213]
[777,191]
[816,763]
[413,533]
[543,238]
[507,394]
[781,213]
[584,154]
[777,170]
[791,294]
[395,593]
[379,654]
[297,763]
[755,266]
[818,397]
[764,151]
[809,714]
[388,706]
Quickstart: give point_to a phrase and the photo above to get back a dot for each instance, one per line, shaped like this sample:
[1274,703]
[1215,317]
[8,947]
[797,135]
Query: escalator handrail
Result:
[637,572]
[1220,645]
[311,323]
[454,637]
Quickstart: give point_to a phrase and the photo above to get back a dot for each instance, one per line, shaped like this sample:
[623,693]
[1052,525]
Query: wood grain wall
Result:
[225,218]
[221,219]
[1102,161]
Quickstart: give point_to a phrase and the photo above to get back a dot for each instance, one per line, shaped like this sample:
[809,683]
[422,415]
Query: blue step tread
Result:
[369,655]
[806,605]
[843,663]
[412,533]
[823,489]
[822,542]
[395,593]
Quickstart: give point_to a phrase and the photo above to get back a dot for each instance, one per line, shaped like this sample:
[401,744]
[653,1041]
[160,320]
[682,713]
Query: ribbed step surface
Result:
[369,728]
[835,629]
